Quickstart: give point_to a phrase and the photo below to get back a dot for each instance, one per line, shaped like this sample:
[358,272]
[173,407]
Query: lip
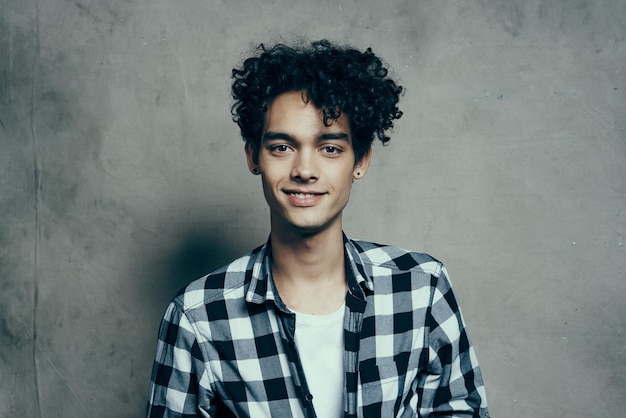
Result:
[304,198]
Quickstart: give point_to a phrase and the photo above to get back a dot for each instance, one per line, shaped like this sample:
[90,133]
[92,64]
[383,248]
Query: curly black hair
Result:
[335,79]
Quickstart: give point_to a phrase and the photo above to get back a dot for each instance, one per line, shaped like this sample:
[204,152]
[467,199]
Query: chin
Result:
[313,228]
[310,230]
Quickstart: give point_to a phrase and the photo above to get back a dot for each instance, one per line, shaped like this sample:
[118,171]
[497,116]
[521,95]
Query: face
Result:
[307,168]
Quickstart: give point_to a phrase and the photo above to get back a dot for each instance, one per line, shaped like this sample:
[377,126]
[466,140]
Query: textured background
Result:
[122,178]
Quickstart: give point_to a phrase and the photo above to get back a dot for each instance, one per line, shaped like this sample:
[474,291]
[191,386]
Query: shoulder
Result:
[395,258]
[219,284]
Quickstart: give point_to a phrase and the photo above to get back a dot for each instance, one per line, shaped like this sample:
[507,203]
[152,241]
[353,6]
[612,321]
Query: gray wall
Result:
[122,178]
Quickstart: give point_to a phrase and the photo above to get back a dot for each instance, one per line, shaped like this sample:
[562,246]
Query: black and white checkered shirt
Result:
[226,344]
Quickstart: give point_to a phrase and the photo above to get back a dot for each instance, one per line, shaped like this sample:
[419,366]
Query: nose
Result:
[305,168]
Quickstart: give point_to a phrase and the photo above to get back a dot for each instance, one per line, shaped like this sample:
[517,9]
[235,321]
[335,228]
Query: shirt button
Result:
[308,397]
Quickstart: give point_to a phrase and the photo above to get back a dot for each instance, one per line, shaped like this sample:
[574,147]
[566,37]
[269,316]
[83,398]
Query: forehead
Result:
[291,113]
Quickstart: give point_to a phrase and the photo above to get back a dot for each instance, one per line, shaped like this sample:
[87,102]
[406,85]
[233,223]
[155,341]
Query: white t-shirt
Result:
[319,339]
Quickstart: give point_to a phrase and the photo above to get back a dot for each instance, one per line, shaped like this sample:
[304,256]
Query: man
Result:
[313,323]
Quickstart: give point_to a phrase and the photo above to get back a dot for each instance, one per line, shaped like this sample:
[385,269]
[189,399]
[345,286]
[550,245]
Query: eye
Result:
[279,148]
[331,150]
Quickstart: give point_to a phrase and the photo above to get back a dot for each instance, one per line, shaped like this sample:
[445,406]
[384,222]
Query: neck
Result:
[309,270]
[307,257]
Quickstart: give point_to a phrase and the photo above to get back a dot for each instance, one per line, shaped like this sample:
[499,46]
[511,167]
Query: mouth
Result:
[303,199]
[300,195]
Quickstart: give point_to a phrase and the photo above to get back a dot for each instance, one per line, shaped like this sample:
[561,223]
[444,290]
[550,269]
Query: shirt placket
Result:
[353,322]
[355,305]
[288,328]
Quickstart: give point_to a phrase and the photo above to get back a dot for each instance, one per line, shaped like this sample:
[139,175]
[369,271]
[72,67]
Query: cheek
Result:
[266,181]
[271,180]
[345,180]
[271,173]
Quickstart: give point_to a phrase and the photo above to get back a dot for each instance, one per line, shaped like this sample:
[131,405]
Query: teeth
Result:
[303,195]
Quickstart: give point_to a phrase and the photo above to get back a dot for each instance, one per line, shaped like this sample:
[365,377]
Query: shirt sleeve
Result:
[178,386]
[453,385]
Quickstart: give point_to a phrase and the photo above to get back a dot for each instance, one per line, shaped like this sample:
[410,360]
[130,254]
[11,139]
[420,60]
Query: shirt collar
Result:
[262,287]
[360,282]
[259,289]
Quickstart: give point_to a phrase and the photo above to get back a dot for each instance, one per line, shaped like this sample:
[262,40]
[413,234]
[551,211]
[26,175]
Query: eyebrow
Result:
[268,136]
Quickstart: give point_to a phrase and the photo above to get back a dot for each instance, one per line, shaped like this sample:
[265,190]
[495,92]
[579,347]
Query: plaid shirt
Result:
[226,344]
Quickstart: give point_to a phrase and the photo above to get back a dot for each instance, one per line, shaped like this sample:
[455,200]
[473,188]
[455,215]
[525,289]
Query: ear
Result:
[361,167]
[252,159]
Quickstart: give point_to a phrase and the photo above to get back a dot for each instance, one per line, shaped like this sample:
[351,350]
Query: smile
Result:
[302,199]
[303,195]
